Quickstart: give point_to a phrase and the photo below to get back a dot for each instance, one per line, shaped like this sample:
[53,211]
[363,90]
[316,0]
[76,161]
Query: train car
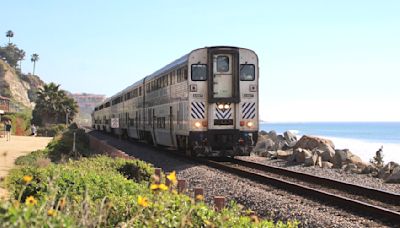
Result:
[101,116]
[204,103]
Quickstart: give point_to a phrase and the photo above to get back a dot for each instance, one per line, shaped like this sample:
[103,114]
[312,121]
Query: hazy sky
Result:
[319,60]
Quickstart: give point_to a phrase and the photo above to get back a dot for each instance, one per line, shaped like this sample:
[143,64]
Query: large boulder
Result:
[344,157]
[280,143]
[387,170]
[264,144]
[301,155]
[311,160]
[311,143]
[284,154]
[290,138]
[319,162]
[370,168]
[326,165]
[273,136]
[350,167]
[395,176]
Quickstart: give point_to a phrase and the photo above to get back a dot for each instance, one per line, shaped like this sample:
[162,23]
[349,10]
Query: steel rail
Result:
[372,193]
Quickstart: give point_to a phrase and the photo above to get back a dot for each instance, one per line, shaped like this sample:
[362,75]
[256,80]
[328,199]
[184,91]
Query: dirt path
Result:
[18,146]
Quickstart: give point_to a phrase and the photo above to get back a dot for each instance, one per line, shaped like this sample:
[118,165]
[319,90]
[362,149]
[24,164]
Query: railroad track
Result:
[380,205]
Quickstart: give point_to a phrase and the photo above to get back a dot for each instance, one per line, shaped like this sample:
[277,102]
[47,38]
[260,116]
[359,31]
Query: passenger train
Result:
[204,103]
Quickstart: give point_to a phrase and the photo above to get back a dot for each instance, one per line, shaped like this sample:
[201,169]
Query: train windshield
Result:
[199,72]
[247,72]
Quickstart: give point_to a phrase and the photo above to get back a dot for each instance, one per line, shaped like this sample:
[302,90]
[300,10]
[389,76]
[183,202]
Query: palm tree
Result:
[34,59]
[52,104]
[9,34]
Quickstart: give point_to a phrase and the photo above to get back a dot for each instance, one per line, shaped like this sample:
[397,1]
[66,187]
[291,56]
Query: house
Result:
[4,104]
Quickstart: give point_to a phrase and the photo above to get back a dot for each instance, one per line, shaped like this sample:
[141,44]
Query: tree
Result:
[34,59]
[52,105]
[9,34]
[12,54]
[378,159]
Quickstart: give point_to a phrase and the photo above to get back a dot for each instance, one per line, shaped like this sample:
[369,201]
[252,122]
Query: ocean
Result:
[361,138]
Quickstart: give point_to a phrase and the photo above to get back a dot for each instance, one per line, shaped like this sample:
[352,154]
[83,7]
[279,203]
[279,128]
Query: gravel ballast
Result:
[266,201]
[336,174]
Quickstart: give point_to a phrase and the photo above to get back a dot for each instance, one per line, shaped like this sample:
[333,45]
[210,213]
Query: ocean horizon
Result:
[361,138]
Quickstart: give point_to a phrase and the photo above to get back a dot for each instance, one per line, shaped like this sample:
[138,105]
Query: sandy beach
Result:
[16,147]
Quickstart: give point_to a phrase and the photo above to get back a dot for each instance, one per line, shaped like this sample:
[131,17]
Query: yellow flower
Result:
[172,177]
[27,179]
[155,187]
[163,187]
[143,201]
[200,197]
[30,201]
[51,213]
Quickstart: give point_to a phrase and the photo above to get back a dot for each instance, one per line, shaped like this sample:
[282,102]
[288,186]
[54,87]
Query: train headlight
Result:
[250,124]
[197,124]
[226,106]
[220,106]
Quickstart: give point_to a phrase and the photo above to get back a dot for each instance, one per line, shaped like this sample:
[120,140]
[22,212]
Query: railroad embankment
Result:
[62,186]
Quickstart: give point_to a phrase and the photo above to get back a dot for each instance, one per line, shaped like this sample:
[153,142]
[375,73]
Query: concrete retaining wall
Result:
[101,147]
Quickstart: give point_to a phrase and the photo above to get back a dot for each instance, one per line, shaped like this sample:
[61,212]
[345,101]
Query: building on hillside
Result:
[4,104]
[86,103]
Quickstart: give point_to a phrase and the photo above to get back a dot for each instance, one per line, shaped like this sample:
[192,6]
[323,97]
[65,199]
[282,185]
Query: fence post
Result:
[219,202]
[198,194]
[157,173]
[167,181]
[181,185]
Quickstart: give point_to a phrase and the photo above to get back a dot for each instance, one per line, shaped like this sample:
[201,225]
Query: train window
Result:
[171,75]
[165,80]
[179,75]
[185,73]
[247,72]
[199,72]
[140,91]
[222,63]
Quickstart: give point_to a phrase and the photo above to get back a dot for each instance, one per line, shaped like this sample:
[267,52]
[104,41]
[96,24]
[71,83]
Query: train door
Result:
[171,126]
[222,73]
[222,110]
[154,122]
[137,123]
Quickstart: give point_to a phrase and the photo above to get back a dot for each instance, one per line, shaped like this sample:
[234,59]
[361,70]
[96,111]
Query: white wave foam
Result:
[296,132]
[366,150]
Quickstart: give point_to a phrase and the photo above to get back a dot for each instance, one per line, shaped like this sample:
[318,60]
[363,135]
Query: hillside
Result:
[21,89]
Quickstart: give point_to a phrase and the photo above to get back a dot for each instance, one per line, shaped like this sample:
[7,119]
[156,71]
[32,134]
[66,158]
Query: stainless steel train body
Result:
[204,103]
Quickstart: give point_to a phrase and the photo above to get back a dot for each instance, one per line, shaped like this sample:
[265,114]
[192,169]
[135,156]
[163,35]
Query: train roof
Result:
[178,62]
[170,66]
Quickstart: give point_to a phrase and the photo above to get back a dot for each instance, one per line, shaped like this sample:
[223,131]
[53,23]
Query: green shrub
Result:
[32,158]
[104,192]
[16,215]
[51,130]
[61,147]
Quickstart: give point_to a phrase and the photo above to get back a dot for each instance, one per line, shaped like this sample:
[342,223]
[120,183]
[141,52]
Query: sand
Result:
[16,147]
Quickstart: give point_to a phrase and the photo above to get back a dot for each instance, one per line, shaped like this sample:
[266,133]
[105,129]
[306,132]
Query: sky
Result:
[319,60]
